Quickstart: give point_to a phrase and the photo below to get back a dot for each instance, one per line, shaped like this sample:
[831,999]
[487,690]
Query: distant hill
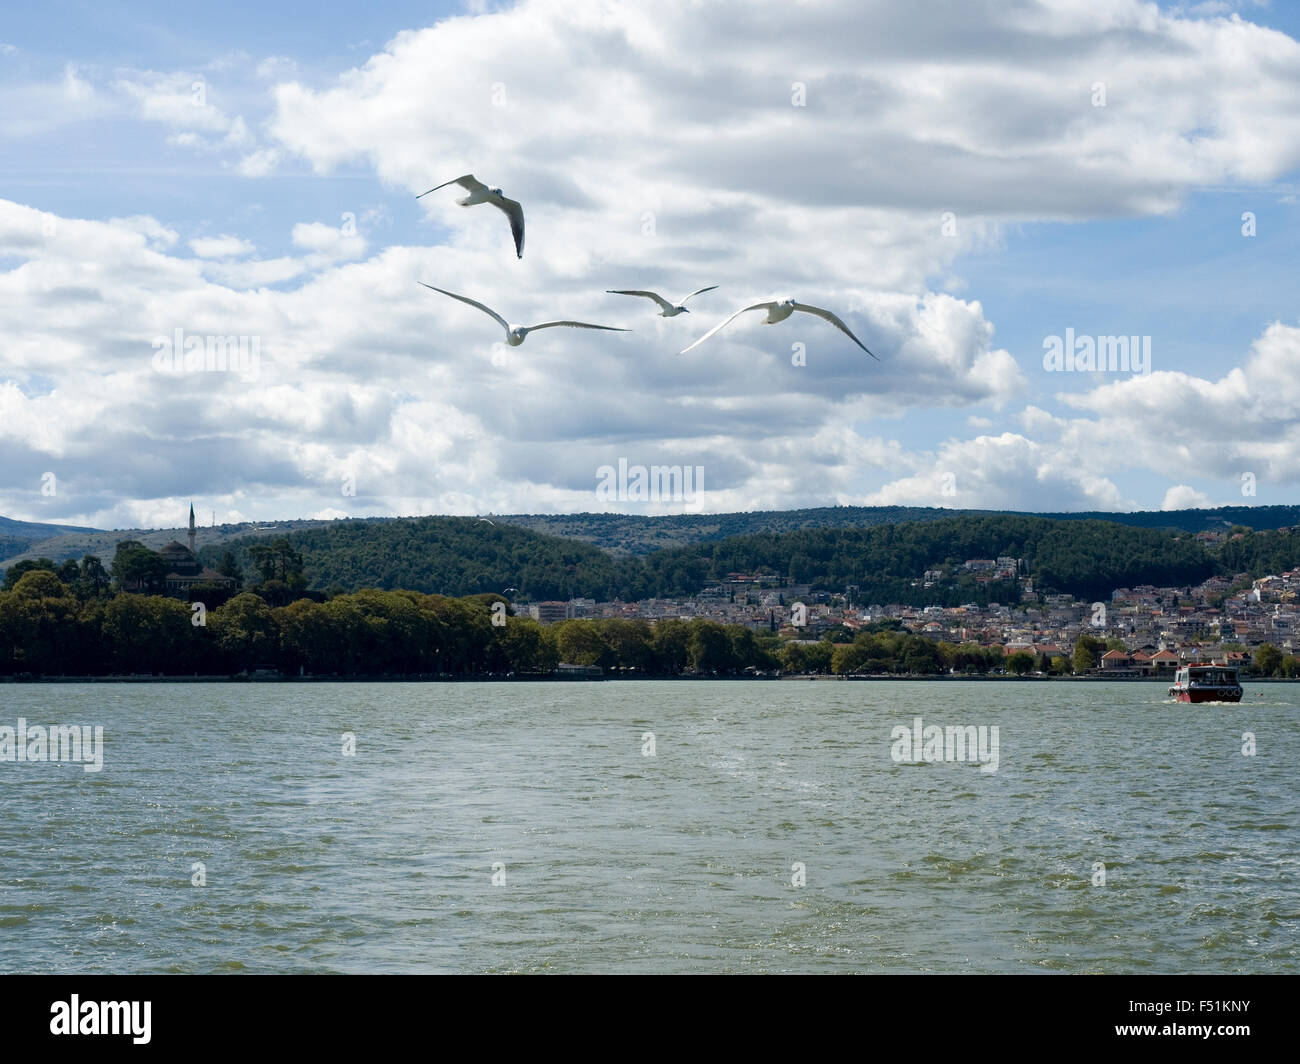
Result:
[619,535]
[443,555]
[887,562]
[18,536]
[628,534]
[61,542]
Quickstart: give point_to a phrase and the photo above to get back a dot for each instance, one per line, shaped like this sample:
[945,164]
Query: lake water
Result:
[614,861]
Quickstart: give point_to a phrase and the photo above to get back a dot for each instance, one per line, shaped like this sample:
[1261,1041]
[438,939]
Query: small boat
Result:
[1206,683]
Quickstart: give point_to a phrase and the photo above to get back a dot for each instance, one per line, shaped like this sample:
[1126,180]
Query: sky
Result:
[969,191]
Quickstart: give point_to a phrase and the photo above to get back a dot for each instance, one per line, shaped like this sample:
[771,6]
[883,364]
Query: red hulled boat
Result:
[1206,683]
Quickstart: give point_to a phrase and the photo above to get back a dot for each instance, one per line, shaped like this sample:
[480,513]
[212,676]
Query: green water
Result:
[615,861]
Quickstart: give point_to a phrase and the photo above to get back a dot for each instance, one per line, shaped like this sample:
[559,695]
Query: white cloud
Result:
[331,241]
[1184,497]
[259,163]
[220,247]
[175,99]
[31,109]
[653,146]
[1008,471]
[1246,421]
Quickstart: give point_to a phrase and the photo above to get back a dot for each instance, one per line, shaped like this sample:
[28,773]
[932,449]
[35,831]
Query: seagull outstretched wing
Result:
[473,303]
[698,291]
[723,325]
[469,183]
[515,212]
[572,325]
[826,315]
[648,295]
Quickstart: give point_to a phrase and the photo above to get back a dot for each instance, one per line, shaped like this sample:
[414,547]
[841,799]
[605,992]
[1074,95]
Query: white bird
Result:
[480,193]
[779,310]
[515,334]
[670,310]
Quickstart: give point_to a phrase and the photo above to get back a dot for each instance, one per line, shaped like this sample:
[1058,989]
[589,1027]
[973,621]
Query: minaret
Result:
[192,529]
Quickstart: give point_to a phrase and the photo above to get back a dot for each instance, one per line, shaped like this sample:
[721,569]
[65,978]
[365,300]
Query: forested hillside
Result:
[631,534]
[463,556]
[1083,558]
[457,555]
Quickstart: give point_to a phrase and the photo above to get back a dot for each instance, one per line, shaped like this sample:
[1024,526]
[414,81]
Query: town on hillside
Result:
[1146,631]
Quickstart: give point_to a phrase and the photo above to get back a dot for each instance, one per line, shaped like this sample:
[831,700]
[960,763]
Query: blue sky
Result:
[281,205]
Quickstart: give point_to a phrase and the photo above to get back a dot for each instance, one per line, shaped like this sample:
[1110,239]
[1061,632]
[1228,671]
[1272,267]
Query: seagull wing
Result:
[698,291]
[634,292]
[723,325]
[574,325]
[469,183]
[473,303]
[826,315]
[515,212]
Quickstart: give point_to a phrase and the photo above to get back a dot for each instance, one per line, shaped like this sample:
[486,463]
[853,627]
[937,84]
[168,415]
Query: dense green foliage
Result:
[1261,553]
[47,629]
[622,534]
[449,555]
[461,556]
[1269,661]
[634,534]
[1087,559]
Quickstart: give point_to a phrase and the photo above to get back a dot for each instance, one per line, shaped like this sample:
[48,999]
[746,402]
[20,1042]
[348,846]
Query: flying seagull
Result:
[480,193]
[779,310]
[670,310]
[515,334]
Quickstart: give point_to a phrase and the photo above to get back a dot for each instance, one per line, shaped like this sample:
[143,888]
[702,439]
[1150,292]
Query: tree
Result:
[1087,653]
[39,584]
[793,658]
[709,649]
[581,643]
[28,565]
[920,656]
[1020,663]
[38,625]
[94,578]
[136,565]
[150,633]
[278,560]
[631,642]
[847,658]
[306,639]
[669,640]
[229,566]
[243,631]
[529,647]
[1268,660]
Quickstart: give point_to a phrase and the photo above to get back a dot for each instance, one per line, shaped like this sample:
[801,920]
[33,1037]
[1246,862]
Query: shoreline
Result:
[543,678]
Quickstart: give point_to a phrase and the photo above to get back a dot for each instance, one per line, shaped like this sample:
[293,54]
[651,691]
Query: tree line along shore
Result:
[51,628]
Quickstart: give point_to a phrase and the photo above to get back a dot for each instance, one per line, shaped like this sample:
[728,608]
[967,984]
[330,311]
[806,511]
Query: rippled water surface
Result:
[618,862]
